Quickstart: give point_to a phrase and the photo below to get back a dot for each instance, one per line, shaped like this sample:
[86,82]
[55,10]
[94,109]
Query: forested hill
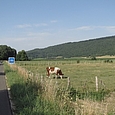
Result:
[94,47]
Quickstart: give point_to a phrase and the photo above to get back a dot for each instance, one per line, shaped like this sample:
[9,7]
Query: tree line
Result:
[7,51]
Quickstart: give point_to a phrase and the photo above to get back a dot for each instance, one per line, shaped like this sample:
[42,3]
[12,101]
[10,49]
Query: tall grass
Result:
[35,98]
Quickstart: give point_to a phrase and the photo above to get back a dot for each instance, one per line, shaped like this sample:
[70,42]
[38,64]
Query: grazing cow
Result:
[54,70]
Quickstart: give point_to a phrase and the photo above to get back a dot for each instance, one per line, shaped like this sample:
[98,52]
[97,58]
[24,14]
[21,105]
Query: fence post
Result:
[41,79]
[68,83]
[96,79]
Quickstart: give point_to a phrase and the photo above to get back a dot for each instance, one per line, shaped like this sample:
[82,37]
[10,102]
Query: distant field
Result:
[107,56]
[82,73]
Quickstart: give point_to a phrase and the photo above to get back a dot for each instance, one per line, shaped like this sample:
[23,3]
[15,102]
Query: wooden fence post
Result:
[68,83]
[41,79]
[96,79]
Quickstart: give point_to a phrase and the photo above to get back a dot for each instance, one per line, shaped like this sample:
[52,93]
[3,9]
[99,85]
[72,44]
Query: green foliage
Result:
[22,56]
[95,96]
[6,51]
[94,47]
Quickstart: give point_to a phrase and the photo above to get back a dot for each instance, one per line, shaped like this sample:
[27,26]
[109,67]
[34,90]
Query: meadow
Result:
[81,95]
[82,73]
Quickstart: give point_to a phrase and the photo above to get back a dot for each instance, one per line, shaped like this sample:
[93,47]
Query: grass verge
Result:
[28,97]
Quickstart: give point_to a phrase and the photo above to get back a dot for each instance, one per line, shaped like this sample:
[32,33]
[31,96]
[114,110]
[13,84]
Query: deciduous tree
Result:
[22,56]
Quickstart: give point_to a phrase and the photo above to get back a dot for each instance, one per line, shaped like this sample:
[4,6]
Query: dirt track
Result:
[5,108]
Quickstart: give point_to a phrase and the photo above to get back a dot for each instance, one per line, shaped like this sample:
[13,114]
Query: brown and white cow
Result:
[54,70]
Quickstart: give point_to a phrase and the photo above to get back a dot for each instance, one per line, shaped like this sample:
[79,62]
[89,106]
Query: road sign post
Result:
[11,60]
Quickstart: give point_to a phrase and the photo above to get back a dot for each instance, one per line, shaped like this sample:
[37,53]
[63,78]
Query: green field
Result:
[81,98]
[82,74]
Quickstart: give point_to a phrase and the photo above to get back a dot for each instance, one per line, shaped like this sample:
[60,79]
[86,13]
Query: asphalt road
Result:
[5,108]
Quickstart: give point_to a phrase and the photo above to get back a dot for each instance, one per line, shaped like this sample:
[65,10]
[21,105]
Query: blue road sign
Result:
[11,60]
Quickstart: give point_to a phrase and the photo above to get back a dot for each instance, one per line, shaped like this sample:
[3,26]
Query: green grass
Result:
[80,74]
[28,97]
[82,85]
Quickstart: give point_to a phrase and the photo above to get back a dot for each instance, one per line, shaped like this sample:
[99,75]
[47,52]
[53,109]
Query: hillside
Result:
[94,47]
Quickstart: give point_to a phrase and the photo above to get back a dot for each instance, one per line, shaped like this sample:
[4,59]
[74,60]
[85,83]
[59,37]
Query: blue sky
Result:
[30,24]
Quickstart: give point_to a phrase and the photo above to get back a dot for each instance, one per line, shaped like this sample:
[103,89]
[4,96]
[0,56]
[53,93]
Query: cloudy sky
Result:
[30,24]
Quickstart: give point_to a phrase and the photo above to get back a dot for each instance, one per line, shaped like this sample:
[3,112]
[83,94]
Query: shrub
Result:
[93,58]
[108,61]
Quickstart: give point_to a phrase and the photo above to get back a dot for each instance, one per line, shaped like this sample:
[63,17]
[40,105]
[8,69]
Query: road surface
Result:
[5,108]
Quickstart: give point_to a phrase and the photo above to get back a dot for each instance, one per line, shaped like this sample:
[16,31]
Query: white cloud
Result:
[82,28]
[88,28]
[23,26]
[85,28]
[40,24]
[111,29]
[34,25]
[38,35]
[31,25]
